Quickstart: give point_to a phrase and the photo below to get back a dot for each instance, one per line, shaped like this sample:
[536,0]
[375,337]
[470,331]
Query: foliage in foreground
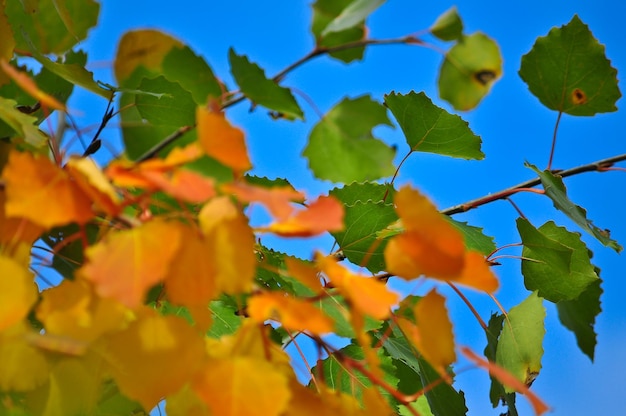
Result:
[169,293]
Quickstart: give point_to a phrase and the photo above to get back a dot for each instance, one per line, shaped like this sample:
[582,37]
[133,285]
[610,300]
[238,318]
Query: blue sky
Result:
[513,125]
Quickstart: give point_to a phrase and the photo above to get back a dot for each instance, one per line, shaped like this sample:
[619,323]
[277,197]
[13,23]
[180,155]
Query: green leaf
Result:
[474,237]
[428,128]
[50,25]
[271,273]
[225,319]
[341,147]
[22,124]
[353,15]
[448,26]
[579,316]
[335,307]
[443,399]
[354,382]
[366,213]
[554,283]
[73,71]
[555,190]
[469,70]
[261,90]
[519,349]
[324,12]
[568,71]
[496,391]
[192,72]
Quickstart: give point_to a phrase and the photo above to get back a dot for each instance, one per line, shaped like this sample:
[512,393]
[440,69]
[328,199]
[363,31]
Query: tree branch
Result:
[599,166]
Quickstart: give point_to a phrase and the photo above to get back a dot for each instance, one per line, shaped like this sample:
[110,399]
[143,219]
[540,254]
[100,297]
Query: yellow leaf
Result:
[29,86]
[375,404]
[305,273]
[185,402]
[432,335]
[293,314]
[191,280]
[145,48]
[127,263]
[40,191]
[92,181]
[154,357]
[23,366]
[72,309]
[227,230]
[221,140]
[15,230]
[366,295]
[243,386]
[18,292]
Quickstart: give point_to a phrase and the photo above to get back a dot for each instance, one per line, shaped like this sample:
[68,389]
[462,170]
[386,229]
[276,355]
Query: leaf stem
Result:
[556,128]
[600,166]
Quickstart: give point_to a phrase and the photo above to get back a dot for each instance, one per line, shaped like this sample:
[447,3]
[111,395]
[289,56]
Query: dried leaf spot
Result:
[579,97]
[485,76]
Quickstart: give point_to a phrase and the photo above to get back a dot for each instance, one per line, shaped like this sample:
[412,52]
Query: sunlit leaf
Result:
[322,215]
[448,25]
[428,128]
[342,148]
[579,316]
[432,333]
[18,292]
[469,70]
[305,273]
[366,213]
[226,320]
[353,15]
[227,229]
[186,402]
[221,140]
[22,124]
[95,184]
[40,191]
[52,29]
[151,347]
[520,348]
[292,313]
[28,85]
[278,199]
[555,190]
[15,230]
[568,71]
[324,12]
[72,309]
[24,367]
[243,386]
[261,90]
[366,295]
[127,263]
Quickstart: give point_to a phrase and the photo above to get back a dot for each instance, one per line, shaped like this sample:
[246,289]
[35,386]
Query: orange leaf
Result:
[29,86]
[127,263]
[227,231]
[18,292]
[305,273]
[182,184]
[191,277]
[507,379]
[222,141]
[72,309]
[243,386]
[92,181]
[293,314]
[277,199]
[155,356]
[367,295]
[14,230]
[38,190]
[432,335]
[477,273]
[324,214]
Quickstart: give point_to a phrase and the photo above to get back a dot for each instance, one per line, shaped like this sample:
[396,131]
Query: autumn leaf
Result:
[366,295]
[18,292]
[305,273]
[432,332]
[154,356]
[95,184]
[29,86]
[15,230]
[221,140]
[292,313]
[182,184]
[127,263]
[40,191]
[243,386]
[322,215]
[278,200]
[226,229]
[24,367]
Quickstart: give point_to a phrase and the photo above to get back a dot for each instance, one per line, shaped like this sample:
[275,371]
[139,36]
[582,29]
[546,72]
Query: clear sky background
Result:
[514,127]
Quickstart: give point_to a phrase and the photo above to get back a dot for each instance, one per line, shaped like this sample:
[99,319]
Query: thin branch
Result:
[164,143]
[600,166]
